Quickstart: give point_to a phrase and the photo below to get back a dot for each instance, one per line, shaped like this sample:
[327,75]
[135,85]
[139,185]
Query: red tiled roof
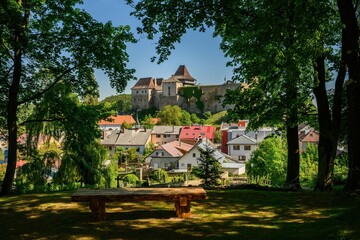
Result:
[118,120]
[195,132]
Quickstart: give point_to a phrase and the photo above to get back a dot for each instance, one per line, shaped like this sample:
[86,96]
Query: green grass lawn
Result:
[228,214]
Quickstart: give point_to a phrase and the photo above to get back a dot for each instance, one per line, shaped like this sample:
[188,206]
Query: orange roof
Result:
[118,120]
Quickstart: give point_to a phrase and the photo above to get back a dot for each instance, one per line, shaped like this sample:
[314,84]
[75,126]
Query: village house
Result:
[240,143]
[137,138]
[192,134]
[190,159]
[115,122]
[164,134]
[308,136]
[167,155]
[241,147]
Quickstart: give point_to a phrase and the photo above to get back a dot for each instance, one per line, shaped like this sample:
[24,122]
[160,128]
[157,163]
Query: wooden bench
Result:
[98,197]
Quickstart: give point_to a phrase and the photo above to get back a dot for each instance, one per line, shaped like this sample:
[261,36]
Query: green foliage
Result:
[149,149]
[170,115]
[109,173]
[148,121]
[194,118]
[269,160]
[127,125]
[119,103]
[208,168]
[207,115]
[341,169]
[185,118]
[159,175]
[131,178]
[2,155]
[217,118]
[47,43]
[2,172]
[192,92]
[309,166]
[127,156]
[217,137]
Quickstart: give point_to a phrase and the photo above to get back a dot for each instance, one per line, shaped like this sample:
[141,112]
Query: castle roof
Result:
[148,83]
[182,75]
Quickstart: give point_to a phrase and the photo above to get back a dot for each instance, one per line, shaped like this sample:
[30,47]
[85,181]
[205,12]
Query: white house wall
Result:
[189,158]
[241,152]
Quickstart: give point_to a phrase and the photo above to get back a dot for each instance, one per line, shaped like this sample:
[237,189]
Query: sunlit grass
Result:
[229,214]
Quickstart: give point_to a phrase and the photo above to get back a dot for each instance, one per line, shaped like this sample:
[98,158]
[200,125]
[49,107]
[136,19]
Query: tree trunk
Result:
[293,164]
[352,58]
[329,128]
[11,122]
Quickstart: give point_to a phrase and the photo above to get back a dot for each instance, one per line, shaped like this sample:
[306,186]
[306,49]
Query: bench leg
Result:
[183,208]
[97,207]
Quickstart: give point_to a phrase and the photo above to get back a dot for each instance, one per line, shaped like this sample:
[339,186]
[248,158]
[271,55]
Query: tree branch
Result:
[39,94]
[40,120]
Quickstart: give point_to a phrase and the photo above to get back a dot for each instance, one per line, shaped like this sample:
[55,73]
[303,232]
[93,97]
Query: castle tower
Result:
[183,75]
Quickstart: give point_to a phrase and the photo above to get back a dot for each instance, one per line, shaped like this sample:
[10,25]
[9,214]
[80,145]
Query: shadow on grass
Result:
[137,215]
[234,214]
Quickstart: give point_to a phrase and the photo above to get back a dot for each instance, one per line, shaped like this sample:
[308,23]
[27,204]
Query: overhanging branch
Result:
[39,94]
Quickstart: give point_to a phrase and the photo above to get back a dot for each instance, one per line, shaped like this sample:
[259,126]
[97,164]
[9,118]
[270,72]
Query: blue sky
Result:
[198,51]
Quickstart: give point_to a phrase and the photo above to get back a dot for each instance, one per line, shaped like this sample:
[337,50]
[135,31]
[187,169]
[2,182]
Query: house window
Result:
[242,157]
[236,147]
[157,153]
[162,153]
[166,165]
[183,164]
[247,147]
[158,135]
[194,154]
[169,90]
[137,92]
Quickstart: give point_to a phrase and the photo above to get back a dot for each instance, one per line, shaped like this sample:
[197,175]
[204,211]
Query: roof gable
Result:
[242,139]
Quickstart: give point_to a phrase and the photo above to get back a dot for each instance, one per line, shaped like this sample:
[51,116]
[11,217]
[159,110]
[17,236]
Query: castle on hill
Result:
[181,90]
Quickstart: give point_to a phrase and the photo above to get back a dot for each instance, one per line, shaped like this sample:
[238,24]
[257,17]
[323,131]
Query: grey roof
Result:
[222,158]
[166,130]
[130,137]
[242,139]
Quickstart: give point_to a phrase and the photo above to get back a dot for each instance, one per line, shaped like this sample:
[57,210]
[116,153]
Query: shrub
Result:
[159,175]
[131,178]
